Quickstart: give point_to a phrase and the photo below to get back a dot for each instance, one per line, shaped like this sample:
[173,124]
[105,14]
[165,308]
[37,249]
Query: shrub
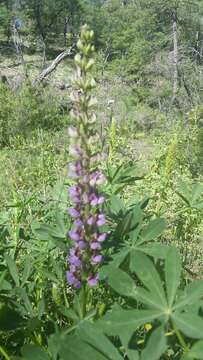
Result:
[27,110]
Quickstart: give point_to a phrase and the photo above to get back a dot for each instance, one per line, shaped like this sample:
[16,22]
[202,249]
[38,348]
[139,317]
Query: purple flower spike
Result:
[74,235]
[73,212]
[102,237]
[85,257]
[97,259]
[95,246]
[93,281]
[101,220]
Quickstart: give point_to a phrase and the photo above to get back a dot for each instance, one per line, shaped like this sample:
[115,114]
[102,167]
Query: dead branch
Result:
[52,66]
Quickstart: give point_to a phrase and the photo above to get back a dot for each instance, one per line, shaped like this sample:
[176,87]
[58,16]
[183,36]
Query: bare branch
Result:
[52,66]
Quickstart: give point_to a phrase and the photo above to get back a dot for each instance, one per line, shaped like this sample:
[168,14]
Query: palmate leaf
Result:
[122,283]
[191,325]
[155,250]
[125,337]
[196,352]
[88,343]
[172,274]
[147,273]
[118,320]
[156,345]
[13,269]
[153,230]
[34,352]
[192,293]
[98,340]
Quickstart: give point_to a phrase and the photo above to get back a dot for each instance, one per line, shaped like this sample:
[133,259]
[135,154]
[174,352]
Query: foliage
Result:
[146,305]
[28,110]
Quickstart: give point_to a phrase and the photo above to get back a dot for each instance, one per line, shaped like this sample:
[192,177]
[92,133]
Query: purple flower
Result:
[70,277]
[93,200]
[74,260]
[75,170]
[78,223]
[77,284]
[95,245]
[97,178]
[91,220]
[73,212]
[101,220]
[74,235]
[93,280]
[75,150]
[102,237]
[82,245]
[97,259]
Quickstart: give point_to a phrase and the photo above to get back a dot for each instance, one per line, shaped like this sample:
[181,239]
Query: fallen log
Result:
[52,66]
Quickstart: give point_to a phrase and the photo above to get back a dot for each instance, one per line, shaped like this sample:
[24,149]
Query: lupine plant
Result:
[85,257]
[143,306]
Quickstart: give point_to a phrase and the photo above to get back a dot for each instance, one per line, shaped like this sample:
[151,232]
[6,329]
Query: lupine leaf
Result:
[172,273]
[26,271]
[125,337]
[72,348]
[156,345]
[191,325]
[120,319]
[156,250]
[153,230]
[196,351]
[98,340]
[13,269]
[122,283]
[192,293]
[147,273]
[34,352]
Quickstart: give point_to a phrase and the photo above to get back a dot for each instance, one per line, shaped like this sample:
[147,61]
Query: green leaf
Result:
[190,324]
[147,273]
[26,301]
[34,352]
[125,337]
[156,345]
[72,347]
[26,271]
[116,204]
[9,319]
[196,352]
[153,230]
[122,283]
[112,323]
[172,273]
[99,341]
[155,250]
[192,293]
[13,269]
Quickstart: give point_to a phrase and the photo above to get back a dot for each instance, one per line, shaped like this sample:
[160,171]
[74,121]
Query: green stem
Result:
[2,351]
[181,339]
[84,299]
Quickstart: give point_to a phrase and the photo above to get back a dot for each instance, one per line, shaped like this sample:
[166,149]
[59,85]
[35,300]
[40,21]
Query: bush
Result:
[30,109]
